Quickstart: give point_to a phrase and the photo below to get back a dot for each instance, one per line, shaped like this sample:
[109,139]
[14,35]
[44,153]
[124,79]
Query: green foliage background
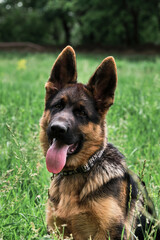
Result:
[133,126]
[81,22]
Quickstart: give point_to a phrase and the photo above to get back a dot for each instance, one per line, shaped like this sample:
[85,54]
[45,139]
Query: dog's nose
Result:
[59,128]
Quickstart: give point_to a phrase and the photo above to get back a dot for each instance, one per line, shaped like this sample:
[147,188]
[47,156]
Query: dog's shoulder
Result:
[107,172]
[112,160]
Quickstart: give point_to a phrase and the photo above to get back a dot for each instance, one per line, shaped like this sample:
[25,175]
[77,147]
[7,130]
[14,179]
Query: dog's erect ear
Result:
[103,84]
[63,71]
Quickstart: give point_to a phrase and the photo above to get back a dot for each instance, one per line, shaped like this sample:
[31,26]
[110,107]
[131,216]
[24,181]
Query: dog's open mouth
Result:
[72,148]
[57,155]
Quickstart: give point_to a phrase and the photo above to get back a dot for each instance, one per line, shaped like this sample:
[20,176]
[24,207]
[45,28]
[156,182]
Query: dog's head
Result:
[73,123]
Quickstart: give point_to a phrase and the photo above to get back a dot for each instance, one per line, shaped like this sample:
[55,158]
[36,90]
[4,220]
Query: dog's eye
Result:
[80,113]
[59,106]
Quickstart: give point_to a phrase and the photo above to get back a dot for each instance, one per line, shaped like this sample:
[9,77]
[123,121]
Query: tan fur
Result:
[104,213]
[97,181]
[108,214]
[50,89]
[43,127]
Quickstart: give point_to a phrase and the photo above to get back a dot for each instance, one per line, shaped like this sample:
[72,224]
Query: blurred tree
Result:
[19,21]
[136,16]
[81,22]
[62,11]
[120,23]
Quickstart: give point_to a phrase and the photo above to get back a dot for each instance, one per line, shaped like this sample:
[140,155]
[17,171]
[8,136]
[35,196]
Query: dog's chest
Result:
[68,205]
[70,209]
[66,196]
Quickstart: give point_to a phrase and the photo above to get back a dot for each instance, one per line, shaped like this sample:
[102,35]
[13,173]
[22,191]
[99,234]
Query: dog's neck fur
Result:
[111,165]
[85,168]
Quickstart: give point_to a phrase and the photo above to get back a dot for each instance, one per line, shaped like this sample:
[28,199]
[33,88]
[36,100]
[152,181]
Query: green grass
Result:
[133,126]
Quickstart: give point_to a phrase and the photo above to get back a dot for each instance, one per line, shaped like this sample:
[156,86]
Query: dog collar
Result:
[85,168]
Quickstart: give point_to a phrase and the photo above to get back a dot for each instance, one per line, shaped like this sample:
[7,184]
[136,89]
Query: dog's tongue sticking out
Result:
[56,157]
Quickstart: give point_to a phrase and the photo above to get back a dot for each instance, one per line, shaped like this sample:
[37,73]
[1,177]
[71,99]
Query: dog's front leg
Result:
[100,235]
[50,218]
[110,217]
[55,223]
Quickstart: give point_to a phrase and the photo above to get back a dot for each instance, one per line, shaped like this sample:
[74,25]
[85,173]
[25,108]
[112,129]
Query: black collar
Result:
[85,168]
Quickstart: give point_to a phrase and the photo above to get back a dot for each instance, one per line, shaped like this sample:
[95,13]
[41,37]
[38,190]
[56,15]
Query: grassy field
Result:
[133,126]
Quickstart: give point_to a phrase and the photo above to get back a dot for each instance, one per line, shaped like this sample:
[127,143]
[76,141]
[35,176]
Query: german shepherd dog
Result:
[92,192]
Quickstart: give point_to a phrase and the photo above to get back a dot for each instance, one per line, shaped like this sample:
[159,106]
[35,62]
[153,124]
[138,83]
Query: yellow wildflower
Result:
[21,64]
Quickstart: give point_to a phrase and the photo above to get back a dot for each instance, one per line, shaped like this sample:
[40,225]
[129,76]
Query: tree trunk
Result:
[135,16]
[127,35]
[67,31]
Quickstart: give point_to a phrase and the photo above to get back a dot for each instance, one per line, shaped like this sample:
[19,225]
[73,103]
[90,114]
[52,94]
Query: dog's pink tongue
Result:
[56,157]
